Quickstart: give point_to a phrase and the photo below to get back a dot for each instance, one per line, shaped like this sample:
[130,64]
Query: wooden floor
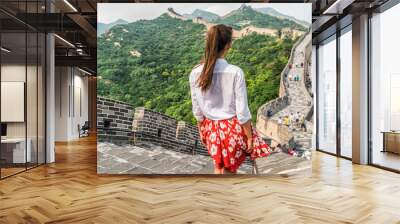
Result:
[386,159]
[5,172]
[70,191]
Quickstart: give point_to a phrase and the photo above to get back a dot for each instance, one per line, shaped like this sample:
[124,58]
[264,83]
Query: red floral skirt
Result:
[226,143]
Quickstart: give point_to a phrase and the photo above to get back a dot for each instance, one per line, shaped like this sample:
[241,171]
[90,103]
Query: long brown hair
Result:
[218,37]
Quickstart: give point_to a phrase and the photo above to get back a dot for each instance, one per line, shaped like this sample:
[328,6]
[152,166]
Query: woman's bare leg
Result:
[225,171]
[218,170]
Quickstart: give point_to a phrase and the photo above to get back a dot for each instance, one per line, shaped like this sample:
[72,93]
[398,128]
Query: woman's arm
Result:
[197,113]
[203,140]
[242,108]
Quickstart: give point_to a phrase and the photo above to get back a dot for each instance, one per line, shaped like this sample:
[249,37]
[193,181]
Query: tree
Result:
[158,79]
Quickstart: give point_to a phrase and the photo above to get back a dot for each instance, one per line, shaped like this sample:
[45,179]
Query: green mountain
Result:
[246,15]
[208,16]
[148,62]
[104,27]
[272,12]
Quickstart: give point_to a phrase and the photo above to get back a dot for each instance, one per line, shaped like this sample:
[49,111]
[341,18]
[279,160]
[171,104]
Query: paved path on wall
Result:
[152,159]
[299,99]
[131,159]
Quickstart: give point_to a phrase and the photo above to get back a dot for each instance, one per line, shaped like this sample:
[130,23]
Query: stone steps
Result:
[297,95]
[153,159]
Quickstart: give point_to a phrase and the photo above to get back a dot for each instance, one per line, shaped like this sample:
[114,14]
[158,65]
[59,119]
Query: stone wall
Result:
[236,34]
[171,12]
[274,106]
[114,120]
[187,133]
[307,84]
[119,122]
[150,127]
[279,134]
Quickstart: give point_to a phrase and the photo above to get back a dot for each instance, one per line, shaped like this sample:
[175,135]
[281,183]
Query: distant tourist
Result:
[303,126]
[280,121]
[219,104]
[269,113]
[292,118]
[297,118]
[298,77]
[286,121]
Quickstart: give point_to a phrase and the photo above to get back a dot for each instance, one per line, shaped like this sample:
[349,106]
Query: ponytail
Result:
[218,37]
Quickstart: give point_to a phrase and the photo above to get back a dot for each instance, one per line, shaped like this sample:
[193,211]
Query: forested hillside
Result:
[147,63]
[246,15]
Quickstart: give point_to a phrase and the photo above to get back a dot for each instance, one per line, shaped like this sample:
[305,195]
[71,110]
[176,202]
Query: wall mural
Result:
[146,53]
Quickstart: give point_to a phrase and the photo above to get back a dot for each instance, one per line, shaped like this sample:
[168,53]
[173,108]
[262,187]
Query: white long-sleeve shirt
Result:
[226,97]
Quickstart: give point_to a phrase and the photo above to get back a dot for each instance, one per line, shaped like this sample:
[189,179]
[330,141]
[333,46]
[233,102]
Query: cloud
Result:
[222,8]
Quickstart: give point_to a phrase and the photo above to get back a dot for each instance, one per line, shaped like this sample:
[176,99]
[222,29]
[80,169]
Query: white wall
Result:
[9,73]
[71,87]
[62,81]
[13,101]
[33,125]
[79,110]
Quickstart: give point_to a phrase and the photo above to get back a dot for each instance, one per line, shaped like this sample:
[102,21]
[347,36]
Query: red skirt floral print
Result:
[226,143]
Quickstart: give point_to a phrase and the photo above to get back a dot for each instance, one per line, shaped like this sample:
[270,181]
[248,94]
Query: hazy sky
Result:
[109,12]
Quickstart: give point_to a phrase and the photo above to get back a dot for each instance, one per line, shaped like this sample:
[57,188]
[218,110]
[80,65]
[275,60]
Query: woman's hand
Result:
[249,135]
[202,139]
[249,145]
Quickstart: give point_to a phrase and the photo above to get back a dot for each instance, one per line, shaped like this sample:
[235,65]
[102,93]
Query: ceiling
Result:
[332,15]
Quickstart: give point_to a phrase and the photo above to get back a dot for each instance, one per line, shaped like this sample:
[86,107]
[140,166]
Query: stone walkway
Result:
[300,100]
[151,159]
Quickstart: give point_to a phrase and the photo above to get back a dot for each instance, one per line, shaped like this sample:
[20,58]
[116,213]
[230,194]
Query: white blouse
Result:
[226,97]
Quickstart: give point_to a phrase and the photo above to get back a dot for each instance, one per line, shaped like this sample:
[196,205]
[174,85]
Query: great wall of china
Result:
[141,141]
[156,142]
[119,122]
[293,97]
[138,140]
[243,32]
